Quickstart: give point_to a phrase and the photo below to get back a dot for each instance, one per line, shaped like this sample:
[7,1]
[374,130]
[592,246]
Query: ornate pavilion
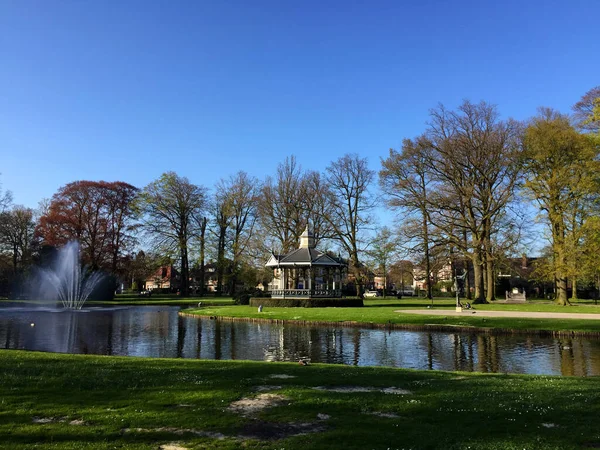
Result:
[306,272]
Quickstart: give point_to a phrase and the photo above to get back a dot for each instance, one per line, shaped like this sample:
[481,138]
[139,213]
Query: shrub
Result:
[243,297]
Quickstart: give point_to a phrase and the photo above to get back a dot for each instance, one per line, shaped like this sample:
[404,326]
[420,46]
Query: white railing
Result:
[305,293]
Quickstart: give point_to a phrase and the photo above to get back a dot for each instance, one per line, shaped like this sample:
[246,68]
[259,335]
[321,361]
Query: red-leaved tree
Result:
[97,214]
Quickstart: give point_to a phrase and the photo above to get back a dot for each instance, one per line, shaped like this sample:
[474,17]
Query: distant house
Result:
[210,278]
[516,275]
[165,277]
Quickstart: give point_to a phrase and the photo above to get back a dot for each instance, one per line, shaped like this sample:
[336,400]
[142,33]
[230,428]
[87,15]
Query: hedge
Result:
[307,302]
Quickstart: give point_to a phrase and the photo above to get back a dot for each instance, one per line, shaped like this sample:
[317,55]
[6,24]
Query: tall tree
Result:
[406,181]
[221,223]
[349,179]
[170,208]
[476,161]
[587,111]
[5,199]
[283,205]
[95,213]
[238,196]
[202,223]
[16,235]
[561,176]
[119,200]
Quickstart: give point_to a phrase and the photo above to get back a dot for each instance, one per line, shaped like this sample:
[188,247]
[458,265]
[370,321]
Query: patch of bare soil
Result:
[267,388]
[384,414]
[173,430]
[172,446]
[273,431]
[44,420]
[250,406]
[353,389]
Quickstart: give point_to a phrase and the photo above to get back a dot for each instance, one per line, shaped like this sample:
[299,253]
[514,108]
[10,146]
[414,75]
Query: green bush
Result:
[307,302]
[243,297]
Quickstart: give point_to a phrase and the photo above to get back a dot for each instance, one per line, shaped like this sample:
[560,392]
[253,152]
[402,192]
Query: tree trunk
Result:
[184,284]
[427,255]
[467,269]
[491,284]
[574,289]
[560,264]
[221,260]
[478,273]
[202,255]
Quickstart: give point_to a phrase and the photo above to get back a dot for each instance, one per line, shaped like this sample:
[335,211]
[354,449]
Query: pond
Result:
[160,332]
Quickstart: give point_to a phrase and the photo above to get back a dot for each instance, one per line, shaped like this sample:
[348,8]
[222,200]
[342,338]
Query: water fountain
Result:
[65,280]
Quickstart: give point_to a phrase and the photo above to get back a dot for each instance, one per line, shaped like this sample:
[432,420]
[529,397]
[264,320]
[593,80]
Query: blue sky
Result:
[126,90]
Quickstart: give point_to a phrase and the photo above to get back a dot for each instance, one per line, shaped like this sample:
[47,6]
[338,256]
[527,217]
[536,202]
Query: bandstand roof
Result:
[303,257]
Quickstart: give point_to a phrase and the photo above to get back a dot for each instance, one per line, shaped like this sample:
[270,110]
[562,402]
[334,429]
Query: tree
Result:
[119,197]
[350,203]
[475,159]
[283,205]
[383,249]
[587,111]
[236,210]
[170,208]
[5,199]
[16,235]
[561,176]
[98,214]
[291,201]
[406,180]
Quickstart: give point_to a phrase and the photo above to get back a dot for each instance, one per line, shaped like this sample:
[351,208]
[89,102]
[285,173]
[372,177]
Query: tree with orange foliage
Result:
[97,214]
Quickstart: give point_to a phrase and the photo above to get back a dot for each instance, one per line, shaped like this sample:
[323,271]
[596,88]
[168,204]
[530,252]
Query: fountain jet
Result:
[65,280]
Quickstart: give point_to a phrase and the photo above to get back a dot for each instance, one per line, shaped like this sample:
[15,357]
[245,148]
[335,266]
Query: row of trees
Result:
[462,184]
[235,225]
[459,190]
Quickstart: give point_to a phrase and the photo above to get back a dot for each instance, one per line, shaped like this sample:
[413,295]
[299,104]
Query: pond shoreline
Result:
[409,327]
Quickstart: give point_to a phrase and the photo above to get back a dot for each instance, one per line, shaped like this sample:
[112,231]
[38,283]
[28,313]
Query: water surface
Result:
[158,331]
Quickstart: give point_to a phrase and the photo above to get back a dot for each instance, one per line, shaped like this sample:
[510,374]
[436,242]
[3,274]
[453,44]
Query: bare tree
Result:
[349,179]
[169,208]
[406,180]
[16,235]
[5,199]
[283,205]
[476,160]
[587,111]
[237,198]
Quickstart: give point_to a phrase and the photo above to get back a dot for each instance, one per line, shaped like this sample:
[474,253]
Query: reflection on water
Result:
[161,332]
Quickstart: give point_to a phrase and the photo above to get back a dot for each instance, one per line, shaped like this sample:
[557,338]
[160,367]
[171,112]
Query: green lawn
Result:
[80,402]
[383,311]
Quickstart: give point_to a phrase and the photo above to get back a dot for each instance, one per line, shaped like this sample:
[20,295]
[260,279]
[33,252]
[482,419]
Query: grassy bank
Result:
[165,299]
[77,402]
[381,311]
[134,300]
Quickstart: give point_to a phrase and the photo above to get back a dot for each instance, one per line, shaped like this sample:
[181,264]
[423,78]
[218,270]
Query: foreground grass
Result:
[75,401]
[385,311]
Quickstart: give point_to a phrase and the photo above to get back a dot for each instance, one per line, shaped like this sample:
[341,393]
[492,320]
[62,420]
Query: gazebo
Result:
[306,272]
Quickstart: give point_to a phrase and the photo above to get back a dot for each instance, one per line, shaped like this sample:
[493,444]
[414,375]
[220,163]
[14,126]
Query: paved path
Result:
[518,314]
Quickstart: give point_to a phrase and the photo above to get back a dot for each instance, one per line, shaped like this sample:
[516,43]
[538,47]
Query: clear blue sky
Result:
[125,90]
